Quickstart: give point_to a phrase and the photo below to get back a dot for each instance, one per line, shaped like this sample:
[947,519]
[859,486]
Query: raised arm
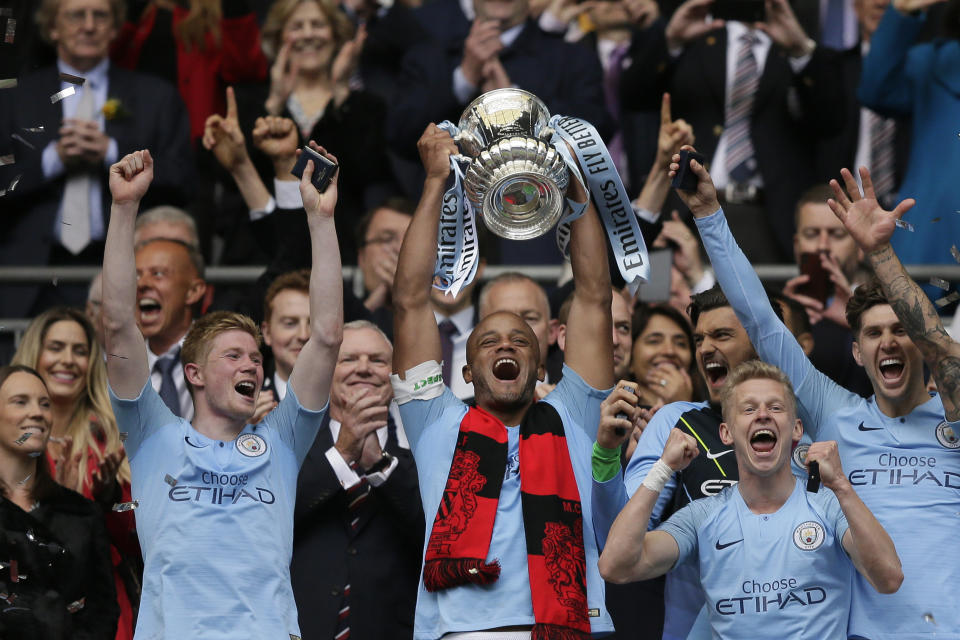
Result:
[866,541]
[313,371]
[127,368]
[871,226]
[631,553]
[415,332]
[589,344]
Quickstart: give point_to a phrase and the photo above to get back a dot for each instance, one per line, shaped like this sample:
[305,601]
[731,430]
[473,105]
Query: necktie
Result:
[168,389]
[741,165]
[832,30]
[356,499]
[611,91]
[75,234]
[881,156]
[447,331]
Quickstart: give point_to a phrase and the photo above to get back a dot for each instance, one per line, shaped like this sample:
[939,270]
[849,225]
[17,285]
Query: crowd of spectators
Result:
[223,93]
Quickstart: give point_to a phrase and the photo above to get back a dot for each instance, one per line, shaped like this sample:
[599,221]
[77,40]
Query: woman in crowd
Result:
[85,449]
[662,359]
[315,53]
[55,576]
[197,45]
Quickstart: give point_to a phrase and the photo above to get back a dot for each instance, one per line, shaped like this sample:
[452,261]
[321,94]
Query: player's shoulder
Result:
[669,415]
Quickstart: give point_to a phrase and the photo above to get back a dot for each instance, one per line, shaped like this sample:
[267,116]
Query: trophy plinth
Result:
[516,180]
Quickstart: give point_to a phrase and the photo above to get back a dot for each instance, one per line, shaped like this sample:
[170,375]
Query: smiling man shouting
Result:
[510,545]
[770,554]
[216,496]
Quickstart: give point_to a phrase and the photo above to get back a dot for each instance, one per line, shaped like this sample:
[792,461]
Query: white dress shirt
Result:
[347,476]
[98,82]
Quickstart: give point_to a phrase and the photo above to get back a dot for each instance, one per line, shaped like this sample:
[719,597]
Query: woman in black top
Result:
[56,579]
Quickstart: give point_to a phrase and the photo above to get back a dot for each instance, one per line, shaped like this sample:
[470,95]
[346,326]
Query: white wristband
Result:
[658,476]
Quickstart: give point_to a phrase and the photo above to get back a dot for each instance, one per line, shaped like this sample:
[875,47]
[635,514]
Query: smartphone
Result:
[685,179]
[740,10]
[819,286]
[323,169]
[621,431]
[813,477]
[657,288]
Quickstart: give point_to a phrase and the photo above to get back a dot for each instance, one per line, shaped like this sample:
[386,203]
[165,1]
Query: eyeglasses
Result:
[79,16]
[384,238]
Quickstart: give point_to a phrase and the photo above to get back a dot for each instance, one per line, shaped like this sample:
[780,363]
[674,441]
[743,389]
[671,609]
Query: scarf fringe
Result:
[443,574]
[544,631]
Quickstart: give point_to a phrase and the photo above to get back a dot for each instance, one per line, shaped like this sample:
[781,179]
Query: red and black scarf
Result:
[552,519]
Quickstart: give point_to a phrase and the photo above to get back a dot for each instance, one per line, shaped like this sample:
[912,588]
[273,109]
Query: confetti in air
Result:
[903,224]
[24,481]
[24,437]
[955,253]
[8,83]
[33,129]
[19,138]
[940,282]
[126,506]
[76,605]
[170,480]
[7,159]
[123,436]
[944,301]
[928,617]
[11,31]
[72,79]
[60,95]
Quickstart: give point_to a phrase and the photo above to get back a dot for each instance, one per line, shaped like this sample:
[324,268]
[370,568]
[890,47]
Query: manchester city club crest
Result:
[808,536]
[947,436]
[800,454]
[251,445]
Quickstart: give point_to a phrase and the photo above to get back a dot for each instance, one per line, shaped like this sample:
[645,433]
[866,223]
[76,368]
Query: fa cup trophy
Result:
[516,180]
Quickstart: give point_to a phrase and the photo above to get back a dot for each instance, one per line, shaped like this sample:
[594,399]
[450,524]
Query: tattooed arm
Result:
[872,228]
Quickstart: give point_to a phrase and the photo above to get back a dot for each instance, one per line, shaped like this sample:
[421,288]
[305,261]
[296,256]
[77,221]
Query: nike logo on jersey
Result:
[863,428]
[727,544]
[714,456]
[198,446]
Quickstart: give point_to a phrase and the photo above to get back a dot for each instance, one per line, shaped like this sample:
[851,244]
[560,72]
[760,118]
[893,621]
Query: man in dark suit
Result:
[757,99]
[867,139]
[64,126]
[502,49]
[358,523]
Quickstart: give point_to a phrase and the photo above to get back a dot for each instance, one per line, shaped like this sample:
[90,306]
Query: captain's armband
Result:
[423,382]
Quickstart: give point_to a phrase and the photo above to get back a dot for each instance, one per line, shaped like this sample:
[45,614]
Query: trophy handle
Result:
[545,134]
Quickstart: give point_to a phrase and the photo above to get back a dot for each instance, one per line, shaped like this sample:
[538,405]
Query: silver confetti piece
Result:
[944,301]
[60,95]
[55,281]
[15,182]
[937,219]
[903,224]
[7,159]
[126,506]
[11,31]
[123,436]
[8,83]
[72,79]
[19,138]
[31,536]
[955,253]
[76,605]
[24,437]
[32,129]
[940,282]
[170,480]
[24,481]
[35,454]
[928,617]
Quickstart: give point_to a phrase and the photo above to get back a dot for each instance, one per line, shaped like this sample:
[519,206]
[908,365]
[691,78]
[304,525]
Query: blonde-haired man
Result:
[216,497]
[771,555]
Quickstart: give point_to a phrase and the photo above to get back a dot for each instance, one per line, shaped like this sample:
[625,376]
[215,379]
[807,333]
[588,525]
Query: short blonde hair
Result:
[755,370]
[199,340]
[279,14]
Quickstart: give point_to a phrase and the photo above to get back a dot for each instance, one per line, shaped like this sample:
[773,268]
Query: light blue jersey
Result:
[906,470]
[432,426]
[782,574]
[215,520]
